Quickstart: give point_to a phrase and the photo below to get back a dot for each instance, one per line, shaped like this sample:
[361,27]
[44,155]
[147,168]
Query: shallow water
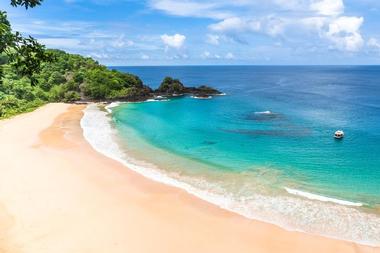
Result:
[266,149]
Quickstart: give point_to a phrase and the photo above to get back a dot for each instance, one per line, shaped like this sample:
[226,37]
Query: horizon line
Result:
[252,65]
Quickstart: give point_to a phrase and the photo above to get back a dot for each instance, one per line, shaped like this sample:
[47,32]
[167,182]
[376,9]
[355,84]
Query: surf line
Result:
[321,198]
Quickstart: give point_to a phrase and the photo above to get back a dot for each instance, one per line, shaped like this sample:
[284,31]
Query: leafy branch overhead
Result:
[26,3]
[24,54]
[27,56]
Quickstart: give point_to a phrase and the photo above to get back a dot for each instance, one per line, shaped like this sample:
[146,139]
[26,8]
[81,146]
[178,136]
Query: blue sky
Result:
[186,32]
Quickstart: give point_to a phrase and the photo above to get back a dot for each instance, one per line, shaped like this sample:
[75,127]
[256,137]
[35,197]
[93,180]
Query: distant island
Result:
[72,78]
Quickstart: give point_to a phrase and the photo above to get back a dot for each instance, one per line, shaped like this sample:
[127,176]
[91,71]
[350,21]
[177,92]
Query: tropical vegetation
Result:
[66,79]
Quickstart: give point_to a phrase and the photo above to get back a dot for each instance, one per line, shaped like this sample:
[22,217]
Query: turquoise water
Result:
[271,132]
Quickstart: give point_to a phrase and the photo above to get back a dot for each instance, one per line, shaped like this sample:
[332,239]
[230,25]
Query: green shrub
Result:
[71,96]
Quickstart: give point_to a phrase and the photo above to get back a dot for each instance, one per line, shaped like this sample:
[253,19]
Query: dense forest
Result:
[67,78]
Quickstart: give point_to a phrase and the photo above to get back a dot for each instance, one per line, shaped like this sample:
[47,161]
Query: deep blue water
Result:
[293,146]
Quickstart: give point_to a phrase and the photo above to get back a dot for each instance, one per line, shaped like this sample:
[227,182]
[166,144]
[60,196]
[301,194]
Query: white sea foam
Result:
[196,97]
[327,218]
[112,105]
[117,103]
[156,100]
[264,112]
[321,198]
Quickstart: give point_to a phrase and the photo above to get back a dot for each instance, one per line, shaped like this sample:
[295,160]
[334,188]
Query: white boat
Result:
[339,134]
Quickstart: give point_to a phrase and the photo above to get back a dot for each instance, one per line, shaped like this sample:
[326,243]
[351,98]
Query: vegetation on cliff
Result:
[66,79]
[173,87]
[170,86]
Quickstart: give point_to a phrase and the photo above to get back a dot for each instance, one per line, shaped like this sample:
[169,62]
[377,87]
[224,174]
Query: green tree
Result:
[24,54]
[6,39]
[171,86]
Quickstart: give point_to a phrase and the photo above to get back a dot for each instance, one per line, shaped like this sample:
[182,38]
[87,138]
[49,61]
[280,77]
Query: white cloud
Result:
[175,41]
[345,25]
[229,24]
[373,43]
[352,43]
[213,39]
[121,42]
[293,5]
[189,8]
[37,27]
[62,43]
[327,7]
[269,25]
[292,20]
[230,56]
[344,32]
[208,55]
[274,25]
[99,56]
[88,42]
[324,20]
[177,57]
[236,24]
[314,23]
[145,57]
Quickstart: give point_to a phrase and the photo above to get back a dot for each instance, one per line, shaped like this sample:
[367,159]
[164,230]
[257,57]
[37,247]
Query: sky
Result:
[207,32]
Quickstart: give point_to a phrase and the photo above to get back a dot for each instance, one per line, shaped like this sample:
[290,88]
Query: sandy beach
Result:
[57,195]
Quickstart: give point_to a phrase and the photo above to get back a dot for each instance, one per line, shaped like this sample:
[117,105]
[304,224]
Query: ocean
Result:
[266,149]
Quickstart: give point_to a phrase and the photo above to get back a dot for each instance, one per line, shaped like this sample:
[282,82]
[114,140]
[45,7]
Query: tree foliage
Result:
[171,86]
[25,54]
[26,3]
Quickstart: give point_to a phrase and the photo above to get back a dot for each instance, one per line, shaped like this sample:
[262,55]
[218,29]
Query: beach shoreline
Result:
[63,196]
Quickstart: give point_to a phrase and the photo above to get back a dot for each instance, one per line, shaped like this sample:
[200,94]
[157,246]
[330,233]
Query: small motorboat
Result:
[339,134]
